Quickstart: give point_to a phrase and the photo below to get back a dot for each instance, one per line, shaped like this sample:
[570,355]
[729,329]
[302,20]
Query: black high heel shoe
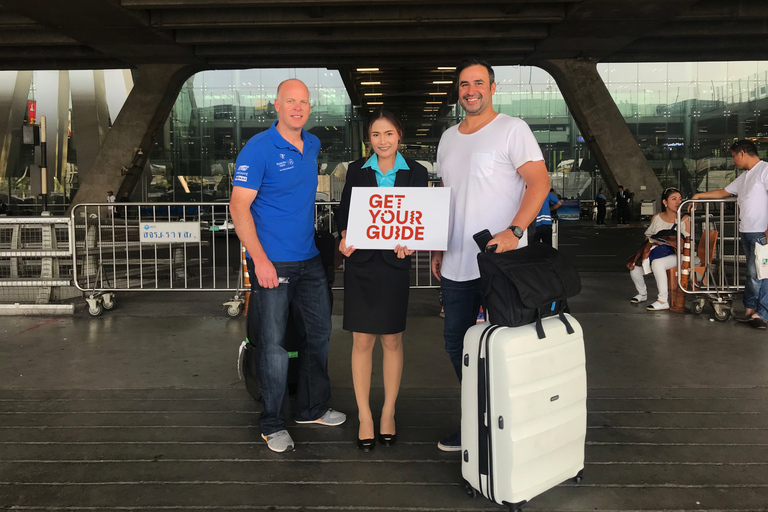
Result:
[387,439]
[366,444]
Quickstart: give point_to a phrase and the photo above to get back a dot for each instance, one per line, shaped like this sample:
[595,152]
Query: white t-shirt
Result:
[658,224]
[751,188]
[486,189]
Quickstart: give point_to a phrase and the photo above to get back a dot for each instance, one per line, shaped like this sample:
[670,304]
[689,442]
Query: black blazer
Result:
[357,176]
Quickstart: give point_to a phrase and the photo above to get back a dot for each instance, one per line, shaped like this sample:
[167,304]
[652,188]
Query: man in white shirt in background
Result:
[752,191]
[111,199]
[498,181]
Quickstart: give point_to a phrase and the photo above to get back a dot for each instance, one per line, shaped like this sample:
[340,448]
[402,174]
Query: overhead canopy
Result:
[407,40]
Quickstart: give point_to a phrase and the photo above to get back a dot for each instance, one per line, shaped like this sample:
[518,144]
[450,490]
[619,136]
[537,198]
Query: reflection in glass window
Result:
[684,117]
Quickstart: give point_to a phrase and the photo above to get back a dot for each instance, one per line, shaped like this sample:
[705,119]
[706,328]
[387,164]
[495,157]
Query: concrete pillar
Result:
[125,150]
[52,96]
[90,116]
[61,137]
[603,127]
[14,91]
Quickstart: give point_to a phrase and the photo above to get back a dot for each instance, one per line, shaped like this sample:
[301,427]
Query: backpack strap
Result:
[561,306]
[539,326]
[568,327]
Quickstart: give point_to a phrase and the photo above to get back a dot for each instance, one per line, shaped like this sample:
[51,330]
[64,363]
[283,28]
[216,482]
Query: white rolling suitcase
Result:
[523,409]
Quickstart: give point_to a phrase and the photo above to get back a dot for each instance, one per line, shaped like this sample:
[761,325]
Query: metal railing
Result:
[151,246]
[715,260]
[35,264]
[177,247]
[105,248]
[164,247]
[421,272]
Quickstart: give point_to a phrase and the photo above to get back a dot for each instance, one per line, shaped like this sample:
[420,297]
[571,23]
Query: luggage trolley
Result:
[709,263]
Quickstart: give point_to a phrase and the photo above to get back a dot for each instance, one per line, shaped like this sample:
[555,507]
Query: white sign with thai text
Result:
[383,218]
[169,232]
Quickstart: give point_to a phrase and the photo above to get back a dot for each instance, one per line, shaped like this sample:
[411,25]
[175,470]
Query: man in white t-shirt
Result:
[498,181]
[111,199]
[752,191]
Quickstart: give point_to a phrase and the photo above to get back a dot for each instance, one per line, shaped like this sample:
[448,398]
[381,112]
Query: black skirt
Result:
[375,296]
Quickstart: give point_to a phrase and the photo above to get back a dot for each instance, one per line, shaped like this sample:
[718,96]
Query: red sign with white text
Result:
[383,218]
[31,112]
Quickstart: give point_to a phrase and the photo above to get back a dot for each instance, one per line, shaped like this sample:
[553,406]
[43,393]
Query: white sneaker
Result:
[279,441]
[658,306]
[331,418]
[637,299]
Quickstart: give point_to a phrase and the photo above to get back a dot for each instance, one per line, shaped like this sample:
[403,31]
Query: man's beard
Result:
[478,107]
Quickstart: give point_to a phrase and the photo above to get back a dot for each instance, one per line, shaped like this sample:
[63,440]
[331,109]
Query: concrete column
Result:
[60,149]
[123,155]
[603,127]
[52,96]
[14,91]
[90,116]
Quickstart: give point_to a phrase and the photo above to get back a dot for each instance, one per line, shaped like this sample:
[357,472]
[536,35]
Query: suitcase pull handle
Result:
[501,423]
[466,360]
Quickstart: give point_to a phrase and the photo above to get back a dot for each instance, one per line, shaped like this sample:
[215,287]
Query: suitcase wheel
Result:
[579,476]
[515,507]
[471,491]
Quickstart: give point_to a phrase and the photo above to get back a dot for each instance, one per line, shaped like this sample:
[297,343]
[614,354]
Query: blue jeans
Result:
[307,296]
[755,290]
[461,303]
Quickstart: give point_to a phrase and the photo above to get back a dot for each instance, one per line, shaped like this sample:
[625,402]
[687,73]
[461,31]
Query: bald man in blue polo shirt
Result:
[272,207]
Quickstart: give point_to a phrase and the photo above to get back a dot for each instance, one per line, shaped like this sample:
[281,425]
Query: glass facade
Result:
[218,111]
[683,115]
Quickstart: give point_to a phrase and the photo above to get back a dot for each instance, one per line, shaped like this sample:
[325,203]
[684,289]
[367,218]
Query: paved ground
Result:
[141,409]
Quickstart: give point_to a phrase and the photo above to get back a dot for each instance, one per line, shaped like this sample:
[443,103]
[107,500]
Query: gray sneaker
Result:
[331,418]
[279,441]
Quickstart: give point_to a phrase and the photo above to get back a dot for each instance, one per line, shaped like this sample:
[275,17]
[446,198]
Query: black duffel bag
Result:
[246,363]
[523,286]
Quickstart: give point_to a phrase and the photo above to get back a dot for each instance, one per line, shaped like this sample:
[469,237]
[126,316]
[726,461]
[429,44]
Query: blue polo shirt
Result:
[386,180]
[286,179]
[545,215]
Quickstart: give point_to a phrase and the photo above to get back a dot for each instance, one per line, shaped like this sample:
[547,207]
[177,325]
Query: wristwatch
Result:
[517,231]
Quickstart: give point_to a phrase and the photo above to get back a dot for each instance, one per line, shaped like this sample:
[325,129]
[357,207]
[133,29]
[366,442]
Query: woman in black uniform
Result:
[376,283]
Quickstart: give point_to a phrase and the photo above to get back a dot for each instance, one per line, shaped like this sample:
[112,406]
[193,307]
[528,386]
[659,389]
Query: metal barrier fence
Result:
[717,267]
[176,247]
[151,246]
[421,271]
[35,264]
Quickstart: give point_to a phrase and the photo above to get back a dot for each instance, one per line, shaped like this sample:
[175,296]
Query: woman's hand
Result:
[343,248]
[402,251]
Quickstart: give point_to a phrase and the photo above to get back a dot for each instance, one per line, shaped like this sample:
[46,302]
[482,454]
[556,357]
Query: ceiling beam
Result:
[399,49]
[732,9]
[366,14]
[189,4]
[38,37]
[106,27]
[732,28]
[391,35]
[340,61]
